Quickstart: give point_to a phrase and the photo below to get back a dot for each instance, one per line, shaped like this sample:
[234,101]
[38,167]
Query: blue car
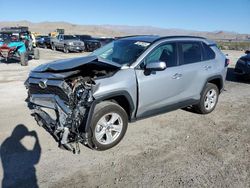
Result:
[15,43]
[43,41]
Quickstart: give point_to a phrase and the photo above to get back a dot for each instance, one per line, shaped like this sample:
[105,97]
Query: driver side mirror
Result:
[156,66]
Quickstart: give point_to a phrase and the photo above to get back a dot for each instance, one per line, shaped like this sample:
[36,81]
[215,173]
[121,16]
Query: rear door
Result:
[193,68]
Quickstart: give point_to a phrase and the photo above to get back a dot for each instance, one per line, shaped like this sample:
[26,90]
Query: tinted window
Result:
[85,37]
[208,53]
[190,52]
[70,37]
[165,52]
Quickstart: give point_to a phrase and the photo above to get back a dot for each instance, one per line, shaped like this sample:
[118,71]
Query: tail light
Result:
[227,62]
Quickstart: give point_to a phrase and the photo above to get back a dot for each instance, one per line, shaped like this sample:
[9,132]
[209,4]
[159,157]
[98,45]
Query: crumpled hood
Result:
[70,64]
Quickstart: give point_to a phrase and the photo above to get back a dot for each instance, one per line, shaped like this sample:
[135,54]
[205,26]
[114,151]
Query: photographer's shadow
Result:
[17,161]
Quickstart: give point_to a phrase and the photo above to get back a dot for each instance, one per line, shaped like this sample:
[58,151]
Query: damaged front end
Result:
[60,96]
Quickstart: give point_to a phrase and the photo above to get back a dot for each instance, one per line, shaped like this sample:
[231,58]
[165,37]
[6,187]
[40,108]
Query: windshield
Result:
[70,37]
[122,51]
[5,37]
[83,37]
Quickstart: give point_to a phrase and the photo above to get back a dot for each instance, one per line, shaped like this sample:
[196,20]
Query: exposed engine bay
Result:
[61,100]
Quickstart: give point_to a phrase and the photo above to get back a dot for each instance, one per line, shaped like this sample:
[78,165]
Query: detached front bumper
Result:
[53,103]
[49,104]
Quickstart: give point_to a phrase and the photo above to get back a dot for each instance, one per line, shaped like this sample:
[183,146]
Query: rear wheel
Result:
[24,59]
[108,126]
[209,99]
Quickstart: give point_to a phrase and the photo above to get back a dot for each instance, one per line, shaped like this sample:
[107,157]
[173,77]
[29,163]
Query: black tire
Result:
[65,49]
[36,54]
[24,59]
[53,47]
[100,111]
[201,107]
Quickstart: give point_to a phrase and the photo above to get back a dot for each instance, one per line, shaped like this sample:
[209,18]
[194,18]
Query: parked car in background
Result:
[16,43]
[91,99]
[104,40]
[242,67]
[43,41]
[67,43]
[90,43]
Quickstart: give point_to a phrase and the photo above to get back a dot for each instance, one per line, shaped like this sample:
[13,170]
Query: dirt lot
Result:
[177,149]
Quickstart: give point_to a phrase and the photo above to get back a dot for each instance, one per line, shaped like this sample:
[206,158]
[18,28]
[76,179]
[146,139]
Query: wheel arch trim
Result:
[214,78]
[107,97]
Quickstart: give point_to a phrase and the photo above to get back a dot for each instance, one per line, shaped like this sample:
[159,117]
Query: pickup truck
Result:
[67,43]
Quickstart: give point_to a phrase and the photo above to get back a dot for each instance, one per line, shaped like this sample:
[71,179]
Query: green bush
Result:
[234,45]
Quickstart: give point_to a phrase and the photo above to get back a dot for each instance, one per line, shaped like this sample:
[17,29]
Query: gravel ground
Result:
[176,149]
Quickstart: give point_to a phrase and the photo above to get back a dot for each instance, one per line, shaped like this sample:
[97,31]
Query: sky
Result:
[199,15]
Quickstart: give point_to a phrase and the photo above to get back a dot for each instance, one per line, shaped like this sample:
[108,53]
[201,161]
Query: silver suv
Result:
[91,99]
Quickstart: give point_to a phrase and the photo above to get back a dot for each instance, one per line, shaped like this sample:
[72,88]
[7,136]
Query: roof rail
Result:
[179,36]
[162,37]
[134,36]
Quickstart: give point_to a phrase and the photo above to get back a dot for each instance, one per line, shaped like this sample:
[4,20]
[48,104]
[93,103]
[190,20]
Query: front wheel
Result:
[108,126]
[209,99]
[53,47]
[66,49]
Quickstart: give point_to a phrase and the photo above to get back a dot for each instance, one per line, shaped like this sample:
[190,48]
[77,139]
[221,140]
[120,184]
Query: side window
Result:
[165,52]
[190,52]
[208,53]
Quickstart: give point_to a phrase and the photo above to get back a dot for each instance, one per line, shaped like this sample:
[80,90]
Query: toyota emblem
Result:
[43,83]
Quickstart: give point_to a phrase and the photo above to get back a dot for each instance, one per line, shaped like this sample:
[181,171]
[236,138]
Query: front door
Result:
[159,89]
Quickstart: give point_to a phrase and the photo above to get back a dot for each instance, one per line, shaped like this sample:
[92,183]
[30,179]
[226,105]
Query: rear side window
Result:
[190,52]
[208,53]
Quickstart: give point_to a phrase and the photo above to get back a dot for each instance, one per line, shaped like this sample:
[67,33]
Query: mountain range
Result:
[120,30]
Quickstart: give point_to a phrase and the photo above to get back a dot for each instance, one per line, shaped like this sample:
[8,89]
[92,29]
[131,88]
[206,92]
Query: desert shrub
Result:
[234,45]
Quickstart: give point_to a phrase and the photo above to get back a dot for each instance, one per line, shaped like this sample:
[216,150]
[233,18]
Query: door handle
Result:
[177,76]
[207,67]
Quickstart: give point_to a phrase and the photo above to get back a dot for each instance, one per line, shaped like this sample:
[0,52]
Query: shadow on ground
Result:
[17,161]
[10,61]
